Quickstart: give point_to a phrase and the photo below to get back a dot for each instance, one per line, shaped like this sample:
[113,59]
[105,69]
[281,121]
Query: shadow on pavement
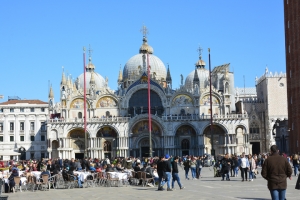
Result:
[251,198]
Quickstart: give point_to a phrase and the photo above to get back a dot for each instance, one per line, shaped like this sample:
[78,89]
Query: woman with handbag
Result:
[252,167]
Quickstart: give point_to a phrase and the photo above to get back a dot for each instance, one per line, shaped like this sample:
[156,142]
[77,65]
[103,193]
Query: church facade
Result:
[117,120]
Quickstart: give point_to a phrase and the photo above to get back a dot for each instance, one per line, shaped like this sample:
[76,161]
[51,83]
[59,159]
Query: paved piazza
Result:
[206,188]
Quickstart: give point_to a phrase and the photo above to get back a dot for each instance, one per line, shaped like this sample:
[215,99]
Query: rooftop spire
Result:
[168,78]
[120,78]
[51,95]
[63,78]
[90,66]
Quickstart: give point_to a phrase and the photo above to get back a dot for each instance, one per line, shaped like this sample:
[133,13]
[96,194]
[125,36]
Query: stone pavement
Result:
[206,188]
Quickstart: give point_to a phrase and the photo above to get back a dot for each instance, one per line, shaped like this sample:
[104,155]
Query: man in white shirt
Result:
[244,166]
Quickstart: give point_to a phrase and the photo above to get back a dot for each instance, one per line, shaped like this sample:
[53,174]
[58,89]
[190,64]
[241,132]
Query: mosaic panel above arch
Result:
[143,127]
[206,100]
[182,100]
[107,131]
[78,104]
[185,130]
[105,102]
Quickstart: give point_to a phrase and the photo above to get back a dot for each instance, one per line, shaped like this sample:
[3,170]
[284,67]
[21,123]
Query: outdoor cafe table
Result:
[82,175]
[119,175]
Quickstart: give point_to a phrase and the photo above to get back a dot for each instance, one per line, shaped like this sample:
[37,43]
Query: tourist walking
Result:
[275,170]
[186,165]
[193,164]
[252,167]
[161,167]
[296,164]
[226,165]
[244,166]
[175,175]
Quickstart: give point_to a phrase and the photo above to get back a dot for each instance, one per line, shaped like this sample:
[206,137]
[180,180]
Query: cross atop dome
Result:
[145,31]
[200,52]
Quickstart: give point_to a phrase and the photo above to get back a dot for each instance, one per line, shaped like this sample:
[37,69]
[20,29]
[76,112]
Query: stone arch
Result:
[144,86]
[107,101]
[107,131]
[219,135]
[143,117]
[53,134]
[155,141]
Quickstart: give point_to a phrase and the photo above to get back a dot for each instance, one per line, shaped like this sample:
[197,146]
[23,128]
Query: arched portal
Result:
[107,137]
[219,139]
[138,103]
[77,142]
[144,145]
[185,139]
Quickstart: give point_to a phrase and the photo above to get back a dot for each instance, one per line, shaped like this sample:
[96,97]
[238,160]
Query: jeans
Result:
[198,172]
[78,180]
[176,178]
[161,182]
[168,179]
[296,167]
[250,175]
[227,176]
[193,169]
[187,172]
[278,194]
[236,171]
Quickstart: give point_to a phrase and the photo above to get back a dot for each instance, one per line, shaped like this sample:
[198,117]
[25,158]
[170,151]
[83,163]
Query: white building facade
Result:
[23,130]
[117,120]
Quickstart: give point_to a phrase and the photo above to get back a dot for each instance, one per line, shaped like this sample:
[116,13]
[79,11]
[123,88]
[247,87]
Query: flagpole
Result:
[84,106]
[211,112]
[149,109]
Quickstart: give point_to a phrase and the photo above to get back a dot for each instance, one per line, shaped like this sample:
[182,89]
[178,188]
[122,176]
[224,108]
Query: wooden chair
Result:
[17,186]
[145,179]
[139,177]
[36,183]
[44,182]
[133,179]
[112,181]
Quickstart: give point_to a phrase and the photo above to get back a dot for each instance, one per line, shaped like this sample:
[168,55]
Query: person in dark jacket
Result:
[226,165]
[275,170]
[11,179]
[161,171]
[175,176]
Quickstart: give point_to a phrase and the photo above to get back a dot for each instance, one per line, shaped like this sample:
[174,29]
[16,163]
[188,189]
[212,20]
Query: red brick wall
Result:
[292,46]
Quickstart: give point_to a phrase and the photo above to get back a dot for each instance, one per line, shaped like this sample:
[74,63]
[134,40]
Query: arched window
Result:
[254,128]
[107,114]
[107,146]
[80,115]
[182,112]
[185,144]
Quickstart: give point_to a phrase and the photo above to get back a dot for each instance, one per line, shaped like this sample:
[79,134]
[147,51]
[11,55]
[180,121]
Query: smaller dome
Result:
[90,66]
[203,75]
[200,63]
[145,48]
[99,80]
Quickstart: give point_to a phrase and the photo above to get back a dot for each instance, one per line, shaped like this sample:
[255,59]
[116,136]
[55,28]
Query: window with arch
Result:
[80,115]
[182,112]
[107,114]
[107,146]
[254,128]
[185,144]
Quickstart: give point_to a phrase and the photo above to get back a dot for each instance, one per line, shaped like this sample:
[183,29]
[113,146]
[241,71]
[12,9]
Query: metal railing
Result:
[90,120]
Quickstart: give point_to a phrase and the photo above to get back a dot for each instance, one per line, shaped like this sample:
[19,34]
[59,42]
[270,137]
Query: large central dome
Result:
[138,63]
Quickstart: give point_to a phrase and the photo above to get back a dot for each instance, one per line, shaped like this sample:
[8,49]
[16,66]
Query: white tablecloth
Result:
[118,175]
[23,180]
[36,174]
[82,175]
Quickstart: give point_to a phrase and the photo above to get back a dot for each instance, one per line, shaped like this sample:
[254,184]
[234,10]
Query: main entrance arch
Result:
[219,140]
[107,139]
[185,140]
[77,142]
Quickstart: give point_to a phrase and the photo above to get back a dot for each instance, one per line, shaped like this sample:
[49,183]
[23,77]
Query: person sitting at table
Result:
[44,172]
[75,176]
[119,168]
[137,168]
[65,174]
[78,165]
[109,168]
[11,180]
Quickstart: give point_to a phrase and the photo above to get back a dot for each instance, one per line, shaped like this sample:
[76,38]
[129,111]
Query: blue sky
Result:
[39,37]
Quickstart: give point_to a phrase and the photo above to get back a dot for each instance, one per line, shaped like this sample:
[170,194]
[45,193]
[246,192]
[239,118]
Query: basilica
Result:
[117,120]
